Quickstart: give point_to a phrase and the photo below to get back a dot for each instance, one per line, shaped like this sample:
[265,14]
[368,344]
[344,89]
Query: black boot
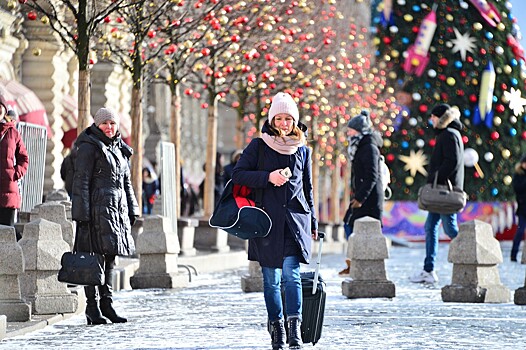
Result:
[106,299]
[93,315]
[294,324]
[277,333]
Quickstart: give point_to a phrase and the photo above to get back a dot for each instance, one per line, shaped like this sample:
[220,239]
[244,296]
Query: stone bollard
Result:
[42,246]
[56,212]
[475,254]
[253,281]
[210,238]
[11,267]
[3,326]
[59,195]
[158,248]
[186,231]
[367,250]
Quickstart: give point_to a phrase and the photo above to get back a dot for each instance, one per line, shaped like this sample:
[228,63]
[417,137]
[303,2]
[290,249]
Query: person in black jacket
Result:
[67,170]
[103,205]
[367,197]
[288,201]
[519,186]
[447,163]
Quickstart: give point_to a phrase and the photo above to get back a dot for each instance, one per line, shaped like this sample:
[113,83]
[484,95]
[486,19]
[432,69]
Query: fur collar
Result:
[449,116]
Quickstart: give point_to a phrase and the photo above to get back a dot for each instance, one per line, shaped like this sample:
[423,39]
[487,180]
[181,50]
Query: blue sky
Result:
[519,10]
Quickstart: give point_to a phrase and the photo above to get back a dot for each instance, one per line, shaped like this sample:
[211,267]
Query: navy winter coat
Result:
[103,194]
[291,204]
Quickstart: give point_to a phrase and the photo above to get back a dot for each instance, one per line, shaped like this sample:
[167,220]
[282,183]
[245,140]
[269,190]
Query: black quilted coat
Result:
[103,194]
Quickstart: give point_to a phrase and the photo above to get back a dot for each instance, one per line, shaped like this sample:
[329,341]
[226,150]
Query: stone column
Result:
[158,247]
[210,238]
[253,282]
[3,326]
[42,247]
[367,250]
[186,233]
[475,254]
[45,71]
[56,212]
[11,267]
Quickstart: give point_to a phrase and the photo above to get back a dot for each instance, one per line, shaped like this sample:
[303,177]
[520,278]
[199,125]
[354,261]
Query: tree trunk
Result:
[137,143]
[84,100]
[240,134]
[211,148]
[175,136]
[335,195]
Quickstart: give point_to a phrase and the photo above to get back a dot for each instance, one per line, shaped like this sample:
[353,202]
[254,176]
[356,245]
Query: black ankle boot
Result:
[93,314]
[277,333]
[294,333]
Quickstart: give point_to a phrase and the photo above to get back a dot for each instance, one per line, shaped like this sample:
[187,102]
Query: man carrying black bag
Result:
[447,161]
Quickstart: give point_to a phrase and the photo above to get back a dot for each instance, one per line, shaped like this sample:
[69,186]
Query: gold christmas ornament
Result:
[409,181]
[44,20]
[37,52]
[506,153]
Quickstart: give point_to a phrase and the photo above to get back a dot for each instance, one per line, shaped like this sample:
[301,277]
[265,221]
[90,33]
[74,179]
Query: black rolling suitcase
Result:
[314,295]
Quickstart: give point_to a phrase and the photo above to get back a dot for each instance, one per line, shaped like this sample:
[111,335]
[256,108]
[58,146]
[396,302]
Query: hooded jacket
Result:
[447,158]
[289,205]
[102,193]
[13,165]
[366,183]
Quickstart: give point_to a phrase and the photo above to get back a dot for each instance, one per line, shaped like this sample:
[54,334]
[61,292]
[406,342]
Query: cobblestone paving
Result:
[213,313]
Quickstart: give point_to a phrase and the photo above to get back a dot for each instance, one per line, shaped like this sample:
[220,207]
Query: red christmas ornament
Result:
[32,15]
[390,157]
[204,105]
[524,135]
[205,51]
[22,1]
[473,98]
[442,62]
[188,91]
[500,108]
[494,135]
[107,19]
[387,40]
[422,108]
[432,142]
[235,38]
[465,139]
[404,132]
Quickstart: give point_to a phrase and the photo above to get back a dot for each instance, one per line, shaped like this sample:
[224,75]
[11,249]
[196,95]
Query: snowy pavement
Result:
[213,313]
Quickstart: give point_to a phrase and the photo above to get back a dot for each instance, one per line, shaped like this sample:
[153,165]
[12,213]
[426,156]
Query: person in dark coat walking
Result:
[103,205]
[519,186]
[13,164]
[67,169]
[367,197]
[447,163]
[288,200]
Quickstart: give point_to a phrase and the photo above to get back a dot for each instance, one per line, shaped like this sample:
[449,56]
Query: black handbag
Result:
[441,199]
[82,268]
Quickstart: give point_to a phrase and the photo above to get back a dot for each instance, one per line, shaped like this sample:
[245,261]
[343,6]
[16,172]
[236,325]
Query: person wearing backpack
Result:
[367,191]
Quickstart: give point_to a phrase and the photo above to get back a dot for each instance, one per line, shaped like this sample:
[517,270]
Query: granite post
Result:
[158,248]
[253,281]
[367,250]
[11,267]
[56,212]
[475,254]
[42,246]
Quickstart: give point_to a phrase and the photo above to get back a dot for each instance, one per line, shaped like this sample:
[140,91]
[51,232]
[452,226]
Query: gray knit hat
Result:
[104,114]
[360,123]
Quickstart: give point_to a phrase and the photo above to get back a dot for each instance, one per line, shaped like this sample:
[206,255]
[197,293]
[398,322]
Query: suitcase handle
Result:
[321,236]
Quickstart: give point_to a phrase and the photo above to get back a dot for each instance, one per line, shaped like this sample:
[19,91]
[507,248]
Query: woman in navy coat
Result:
[289,203]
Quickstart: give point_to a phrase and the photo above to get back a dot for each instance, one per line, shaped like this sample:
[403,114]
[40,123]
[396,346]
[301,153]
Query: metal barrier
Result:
[32,184]
[167,175]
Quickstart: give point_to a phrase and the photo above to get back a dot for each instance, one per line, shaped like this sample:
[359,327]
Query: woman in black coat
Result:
[288,200]
[519,186]
[367,191]
[103,205]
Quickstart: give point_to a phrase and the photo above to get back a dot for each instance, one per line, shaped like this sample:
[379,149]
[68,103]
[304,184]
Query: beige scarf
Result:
[282,145]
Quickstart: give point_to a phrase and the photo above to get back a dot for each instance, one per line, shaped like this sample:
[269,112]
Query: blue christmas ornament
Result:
[514,81]
[513,132]
[458,64]
[405,144]
[489,35]
[514,62]
[467,113]
[427,85]
[416,8]
[494,192]
[495,99]
[405,40]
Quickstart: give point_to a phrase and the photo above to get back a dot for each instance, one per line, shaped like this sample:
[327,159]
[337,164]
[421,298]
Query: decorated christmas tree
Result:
[465,53]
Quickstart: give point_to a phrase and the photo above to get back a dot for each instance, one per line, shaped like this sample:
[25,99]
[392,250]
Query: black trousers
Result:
[7,218]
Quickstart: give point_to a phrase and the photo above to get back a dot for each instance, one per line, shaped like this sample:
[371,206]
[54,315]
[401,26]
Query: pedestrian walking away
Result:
[13,164]
[519,186]
[286,180]
[447,160]
[367,193]
[103,205]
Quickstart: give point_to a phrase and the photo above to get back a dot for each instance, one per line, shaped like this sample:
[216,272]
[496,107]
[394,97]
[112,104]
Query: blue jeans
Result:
[272,278]
[449,222]
[519,235]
